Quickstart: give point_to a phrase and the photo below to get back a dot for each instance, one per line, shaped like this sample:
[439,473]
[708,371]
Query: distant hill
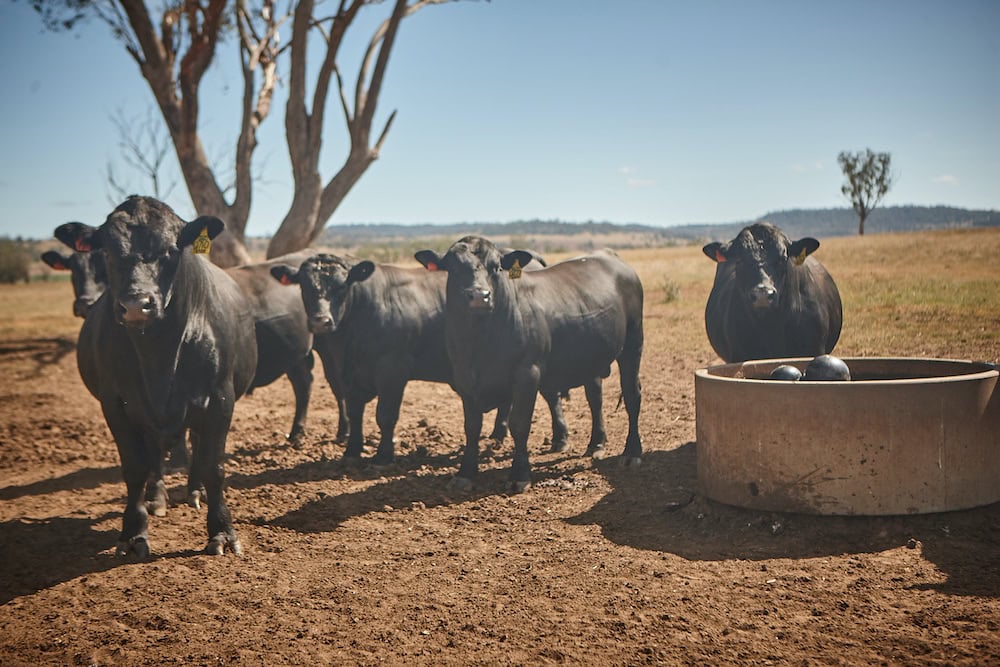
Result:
[374,240]
[828,222]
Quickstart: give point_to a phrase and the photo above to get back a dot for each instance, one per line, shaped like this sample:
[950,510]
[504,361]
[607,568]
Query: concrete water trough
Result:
[904,436]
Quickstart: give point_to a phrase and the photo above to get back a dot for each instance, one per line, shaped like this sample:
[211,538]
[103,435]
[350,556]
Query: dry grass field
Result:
[594,564]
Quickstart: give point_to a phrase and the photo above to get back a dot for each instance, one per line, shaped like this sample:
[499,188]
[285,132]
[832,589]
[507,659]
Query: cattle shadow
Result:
[85,478]
[659,507]
[428,490]
[37,554]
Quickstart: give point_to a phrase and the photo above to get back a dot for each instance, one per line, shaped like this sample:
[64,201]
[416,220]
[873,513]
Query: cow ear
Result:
[285,275]
[522,257]
[430,260]
[55,260]
[715,251]
[799,250]
[78,236]
[192,230]
[360,271]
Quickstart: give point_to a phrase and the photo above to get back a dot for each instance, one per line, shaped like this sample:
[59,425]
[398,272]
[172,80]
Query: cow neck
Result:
[483,339]
[158,346]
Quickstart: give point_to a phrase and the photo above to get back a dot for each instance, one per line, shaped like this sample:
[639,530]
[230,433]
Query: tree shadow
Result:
[659,507]
[85,478]
[43,351]
[41,553]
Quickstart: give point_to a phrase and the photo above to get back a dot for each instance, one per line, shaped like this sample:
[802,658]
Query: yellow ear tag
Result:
[515,270]
[801,257]
[202,244]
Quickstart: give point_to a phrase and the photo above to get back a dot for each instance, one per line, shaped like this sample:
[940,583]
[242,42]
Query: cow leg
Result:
[195,488]
[525,391]
[500,424]
[301,377]
[136,469]
[560,432]
[356,438]
[156,489]
[628,368]
[469,468]
[386,415]
[334,377]
[598,436]
[208,442]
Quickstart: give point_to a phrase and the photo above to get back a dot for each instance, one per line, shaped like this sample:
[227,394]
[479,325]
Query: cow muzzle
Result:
[479,299]
[320,324]
[763,297]
[82,306]
[137,310]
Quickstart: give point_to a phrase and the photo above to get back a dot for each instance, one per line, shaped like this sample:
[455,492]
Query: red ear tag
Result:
[431,266]
[82,246]
[285,280]
[719,257]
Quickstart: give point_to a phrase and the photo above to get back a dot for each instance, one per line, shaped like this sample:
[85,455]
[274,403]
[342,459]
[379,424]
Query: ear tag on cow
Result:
[431,266]
[719,257]
[202,244]
[801,257]
[515,270]
[82,246]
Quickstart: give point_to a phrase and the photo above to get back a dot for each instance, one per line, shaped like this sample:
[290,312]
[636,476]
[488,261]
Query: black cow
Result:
[512,335]
[771,298]
[87,274]
[169,346]
[381,326]
[283,337]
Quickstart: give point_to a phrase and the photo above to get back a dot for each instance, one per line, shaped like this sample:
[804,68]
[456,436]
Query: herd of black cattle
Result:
[170,341]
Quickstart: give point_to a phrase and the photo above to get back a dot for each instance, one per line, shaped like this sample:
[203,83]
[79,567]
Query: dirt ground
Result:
[595,564]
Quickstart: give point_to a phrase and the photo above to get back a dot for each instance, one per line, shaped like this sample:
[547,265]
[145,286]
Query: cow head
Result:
[325,281]
[87,274]
[762,256]
[474,267]
[142,242]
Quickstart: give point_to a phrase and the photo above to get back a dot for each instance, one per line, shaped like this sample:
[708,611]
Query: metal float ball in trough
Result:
[785,372]
[826,367]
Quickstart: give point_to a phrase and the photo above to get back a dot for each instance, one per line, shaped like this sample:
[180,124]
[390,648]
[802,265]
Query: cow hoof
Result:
[194,499]
[461,484]
[137,546]
[222,542]
[598,453]
[351,460]
[631,461]
[381,463]
[157,508]
[296,437]
[559,446]
[520,486]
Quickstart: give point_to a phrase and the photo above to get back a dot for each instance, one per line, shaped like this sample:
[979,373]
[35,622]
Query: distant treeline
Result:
[796,223]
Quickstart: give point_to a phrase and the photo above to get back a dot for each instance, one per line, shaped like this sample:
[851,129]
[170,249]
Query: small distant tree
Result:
[13,262]
[868,179]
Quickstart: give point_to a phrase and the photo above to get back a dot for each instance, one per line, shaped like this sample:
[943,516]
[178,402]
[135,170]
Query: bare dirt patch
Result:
[595,564]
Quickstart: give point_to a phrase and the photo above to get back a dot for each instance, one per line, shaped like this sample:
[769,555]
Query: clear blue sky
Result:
[648,111]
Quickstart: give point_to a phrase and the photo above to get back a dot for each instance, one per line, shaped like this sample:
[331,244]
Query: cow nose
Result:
[81,306]
[479,298]
[137,309]
[321,324]
[763,296]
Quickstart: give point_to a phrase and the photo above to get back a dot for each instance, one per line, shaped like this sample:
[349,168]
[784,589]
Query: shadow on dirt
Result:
[426,491]
[85,478]
[43,351]
[41,553]
[658,507]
